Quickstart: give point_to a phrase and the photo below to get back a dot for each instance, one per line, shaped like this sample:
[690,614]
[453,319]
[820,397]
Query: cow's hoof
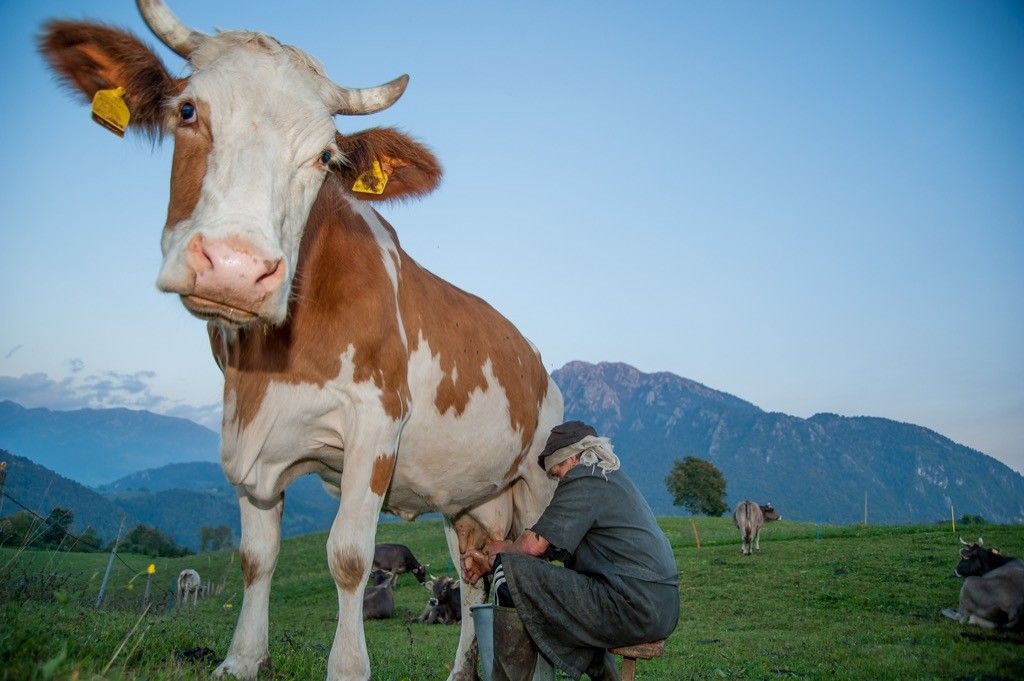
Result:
[246,670]
[951,614]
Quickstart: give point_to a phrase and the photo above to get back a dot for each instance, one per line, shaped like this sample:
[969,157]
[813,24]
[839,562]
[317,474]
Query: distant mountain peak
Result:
[820,467]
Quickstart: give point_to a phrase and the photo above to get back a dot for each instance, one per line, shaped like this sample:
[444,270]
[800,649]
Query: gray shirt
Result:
[607,528]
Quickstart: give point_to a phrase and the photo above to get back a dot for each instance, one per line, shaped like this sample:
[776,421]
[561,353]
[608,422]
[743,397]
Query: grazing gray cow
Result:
[993,592]
[750,518]
[398,559]
[445,604]
[379,597]
[188,585]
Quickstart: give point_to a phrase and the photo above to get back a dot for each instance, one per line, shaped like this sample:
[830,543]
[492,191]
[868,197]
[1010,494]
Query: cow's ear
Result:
[384,164]
[88,57]
[429,585]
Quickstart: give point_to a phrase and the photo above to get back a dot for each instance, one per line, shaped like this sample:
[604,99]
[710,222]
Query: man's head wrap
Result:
[576,437]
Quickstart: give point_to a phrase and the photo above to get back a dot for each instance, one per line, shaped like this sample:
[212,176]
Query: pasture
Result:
[856,603]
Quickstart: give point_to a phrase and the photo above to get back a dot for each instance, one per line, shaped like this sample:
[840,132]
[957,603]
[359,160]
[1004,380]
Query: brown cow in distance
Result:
[342,356]
[750,518]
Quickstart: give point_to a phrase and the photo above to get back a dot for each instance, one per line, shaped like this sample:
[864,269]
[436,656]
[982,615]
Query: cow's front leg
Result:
[258,549]
[369,464]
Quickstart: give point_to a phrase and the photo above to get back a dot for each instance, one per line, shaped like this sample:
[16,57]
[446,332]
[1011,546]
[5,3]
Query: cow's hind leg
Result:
[757,540]
[464,667]
[490,521]
[261,541]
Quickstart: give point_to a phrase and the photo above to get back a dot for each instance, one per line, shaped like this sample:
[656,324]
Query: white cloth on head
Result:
[593,451]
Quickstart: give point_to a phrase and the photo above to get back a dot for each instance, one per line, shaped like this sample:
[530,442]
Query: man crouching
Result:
[622,585]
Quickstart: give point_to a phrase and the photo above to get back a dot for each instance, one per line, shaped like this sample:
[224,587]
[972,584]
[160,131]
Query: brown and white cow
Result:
[750,518]
[341,355]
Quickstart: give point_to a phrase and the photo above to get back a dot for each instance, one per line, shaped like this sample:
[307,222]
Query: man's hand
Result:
[493,548]
[475,565]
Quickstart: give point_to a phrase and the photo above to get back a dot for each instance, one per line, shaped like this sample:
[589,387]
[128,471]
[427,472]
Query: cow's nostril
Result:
[274,272]
[197,257]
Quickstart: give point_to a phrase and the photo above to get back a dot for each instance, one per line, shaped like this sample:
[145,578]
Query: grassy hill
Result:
[856,603]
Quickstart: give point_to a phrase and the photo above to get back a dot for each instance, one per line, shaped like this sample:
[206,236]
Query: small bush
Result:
[22,585]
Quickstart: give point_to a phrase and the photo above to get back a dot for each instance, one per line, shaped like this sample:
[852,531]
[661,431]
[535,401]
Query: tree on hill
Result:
[214,538]
[698,486]
[19,529]
[88,540]
[57,525]
[150,541]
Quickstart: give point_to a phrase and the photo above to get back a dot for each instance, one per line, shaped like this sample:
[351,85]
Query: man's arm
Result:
[477,564]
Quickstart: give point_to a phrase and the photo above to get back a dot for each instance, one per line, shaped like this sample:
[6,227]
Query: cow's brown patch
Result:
[88,57]
[347,569]
[383,467]
[513,468]
[192,146]
[342,298]
[464,333]
[250,567]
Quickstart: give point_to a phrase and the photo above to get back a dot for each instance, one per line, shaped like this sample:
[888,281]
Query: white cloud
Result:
[105,390]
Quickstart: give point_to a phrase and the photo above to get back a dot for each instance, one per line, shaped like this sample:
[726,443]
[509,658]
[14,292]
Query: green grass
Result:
[858,603]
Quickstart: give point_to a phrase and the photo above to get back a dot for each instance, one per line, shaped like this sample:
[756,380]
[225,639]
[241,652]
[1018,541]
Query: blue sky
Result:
[813,206]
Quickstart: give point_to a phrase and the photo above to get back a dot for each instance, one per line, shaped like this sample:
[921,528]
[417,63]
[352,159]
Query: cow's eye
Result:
[188,112]
[326,156]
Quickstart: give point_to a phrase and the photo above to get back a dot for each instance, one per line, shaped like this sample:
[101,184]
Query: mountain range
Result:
[95,446]
[160,470]
[819,468]
[177,498]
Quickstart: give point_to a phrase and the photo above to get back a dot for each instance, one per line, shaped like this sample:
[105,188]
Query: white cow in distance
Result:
[188,585]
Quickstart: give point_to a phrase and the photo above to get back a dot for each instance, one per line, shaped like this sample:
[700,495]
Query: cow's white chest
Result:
[299,428]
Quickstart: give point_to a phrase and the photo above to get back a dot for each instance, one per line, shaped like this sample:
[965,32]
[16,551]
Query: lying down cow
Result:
[993,592]
[750,518]
[379,597]
[445,604]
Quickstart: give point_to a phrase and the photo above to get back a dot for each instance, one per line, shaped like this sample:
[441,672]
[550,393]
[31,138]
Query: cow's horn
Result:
[981,541]
[963,542]
[357,101]
[169,28]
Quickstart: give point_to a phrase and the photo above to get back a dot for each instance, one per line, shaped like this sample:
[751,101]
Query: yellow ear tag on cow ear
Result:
[372,181]
[110,111]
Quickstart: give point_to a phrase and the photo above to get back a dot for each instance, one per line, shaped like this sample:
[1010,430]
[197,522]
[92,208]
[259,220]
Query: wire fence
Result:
[62,572]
